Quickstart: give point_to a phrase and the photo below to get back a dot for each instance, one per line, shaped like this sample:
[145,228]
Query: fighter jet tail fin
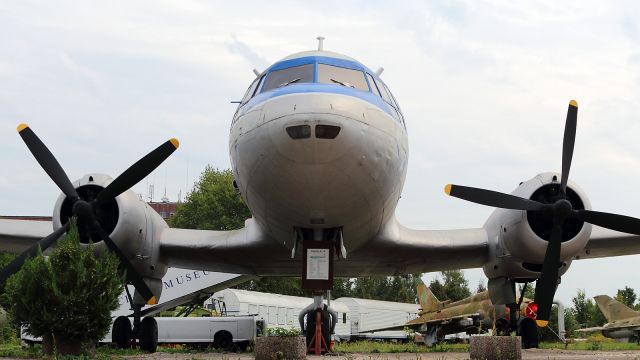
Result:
[428,301]
[614,310]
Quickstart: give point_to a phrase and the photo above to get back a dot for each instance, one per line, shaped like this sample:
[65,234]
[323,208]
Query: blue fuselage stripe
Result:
[315,87]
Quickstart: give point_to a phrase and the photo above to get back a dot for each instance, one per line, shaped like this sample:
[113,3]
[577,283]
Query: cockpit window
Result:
[288,76]
[372,83]
[329,74]
[384,93]
[249,94]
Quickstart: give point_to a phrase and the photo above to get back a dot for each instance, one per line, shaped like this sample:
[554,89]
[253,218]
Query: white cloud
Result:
[484,87]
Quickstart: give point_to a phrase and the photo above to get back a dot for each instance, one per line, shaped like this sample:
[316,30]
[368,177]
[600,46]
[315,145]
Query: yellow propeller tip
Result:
[447,189]
[542,323]
[152,301]
[175,142]
[22,127]
[573,103]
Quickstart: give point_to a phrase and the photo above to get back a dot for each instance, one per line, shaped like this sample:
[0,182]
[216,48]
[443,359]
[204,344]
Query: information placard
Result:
[317,265]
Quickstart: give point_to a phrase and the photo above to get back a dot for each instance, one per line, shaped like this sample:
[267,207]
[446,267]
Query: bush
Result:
[69,296]
[283,332]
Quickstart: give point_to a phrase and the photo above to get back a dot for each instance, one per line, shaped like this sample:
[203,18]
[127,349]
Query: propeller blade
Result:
[616,222]
[493,198]
[138,171]
[548,281]
[568,143]
[17,263]
[46,160]
[132,274]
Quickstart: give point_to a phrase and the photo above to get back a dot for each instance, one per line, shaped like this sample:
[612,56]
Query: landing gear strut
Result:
[321,322]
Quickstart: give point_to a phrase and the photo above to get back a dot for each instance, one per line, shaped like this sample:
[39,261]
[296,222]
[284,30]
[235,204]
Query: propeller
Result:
[86,211]
[560,211]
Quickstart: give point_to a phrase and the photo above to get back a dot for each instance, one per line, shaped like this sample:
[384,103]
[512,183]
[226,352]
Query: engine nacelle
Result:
[130,222]
[519,238]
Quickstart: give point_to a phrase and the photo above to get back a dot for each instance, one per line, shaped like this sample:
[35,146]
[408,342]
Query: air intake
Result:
[327,131]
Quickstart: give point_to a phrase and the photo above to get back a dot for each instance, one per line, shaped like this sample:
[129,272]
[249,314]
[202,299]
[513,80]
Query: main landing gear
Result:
[524,326]
[144,330]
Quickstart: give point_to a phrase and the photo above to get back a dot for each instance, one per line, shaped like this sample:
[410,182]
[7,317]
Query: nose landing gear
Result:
[320,324]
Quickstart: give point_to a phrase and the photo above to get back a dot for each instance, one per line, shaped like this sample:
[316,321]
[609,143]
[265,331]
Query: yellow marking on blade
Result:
[573,103]
[152,301]
[447,189]
[542,323]
[174,142]
[22,127]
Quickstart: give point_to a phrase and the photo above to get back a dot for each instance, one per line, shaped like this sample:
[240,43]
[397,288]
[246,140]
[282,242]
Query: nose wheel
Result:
[320,324]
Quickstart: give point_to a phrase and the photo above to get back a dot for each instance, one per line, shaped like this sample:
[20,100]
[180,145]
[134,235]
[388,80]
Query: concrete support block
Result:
[280,347]
[495,347]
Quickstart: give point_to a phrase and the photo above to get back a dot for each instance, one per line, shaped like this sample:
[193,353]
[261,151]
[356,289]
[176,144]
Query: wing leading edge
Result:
[17,236]
[396,250]
[605,243]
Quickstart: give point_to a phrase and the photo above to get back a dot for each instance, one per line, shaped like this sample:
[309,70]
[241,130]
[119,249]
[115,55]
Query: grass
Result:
[14,350]
[373,347]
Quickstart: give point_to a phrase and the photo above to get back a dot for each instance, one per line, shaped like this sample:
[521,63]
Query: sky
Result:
[484,87]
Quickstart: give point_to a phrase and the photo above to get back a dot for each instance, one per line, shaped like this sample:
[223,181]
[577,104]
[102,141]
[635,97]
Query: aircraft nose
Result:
[315,138]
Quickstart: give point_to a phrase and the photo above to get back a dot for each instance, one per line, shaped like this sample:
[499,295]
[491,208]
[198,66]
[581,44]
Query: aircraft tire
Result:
[121,333]
[149,334]
[528,330]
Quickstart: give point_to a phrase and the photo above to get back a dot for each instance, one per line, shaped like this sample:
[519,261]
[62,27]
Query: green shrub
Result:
[69,295]
[283,332]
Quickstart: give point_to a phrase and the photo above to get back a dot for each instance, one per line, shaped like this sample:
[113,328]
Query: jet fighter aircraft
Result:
[623,322]
[472,315]
[319,151]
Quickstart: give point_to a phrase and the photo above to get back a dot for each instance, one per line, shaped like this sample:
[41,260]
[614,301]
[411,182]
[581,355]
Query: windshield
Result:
[292,75]
[330,74]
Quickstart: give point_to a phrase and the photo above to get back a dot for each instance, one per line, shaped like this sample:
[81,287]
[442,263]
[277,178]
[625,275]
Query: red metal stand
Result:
[318,344]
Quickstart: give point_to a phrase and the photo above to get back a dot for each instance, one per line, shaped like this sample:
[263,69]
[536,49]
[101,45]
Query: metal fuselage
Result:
[621,329]
[352,181]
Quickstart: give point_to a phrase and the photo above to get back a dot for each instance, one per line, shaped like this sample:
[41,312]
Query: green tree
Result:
[70,295]
[587,314]
[626,296]
[213,204]
[8,332]
[582,308]
[454,286]
[437,288]
[481,286]
[399,288]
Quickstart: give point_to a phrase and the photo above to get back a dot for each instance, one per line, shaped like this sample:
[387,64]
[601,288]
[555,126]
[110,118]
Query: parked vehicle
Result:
[223,332]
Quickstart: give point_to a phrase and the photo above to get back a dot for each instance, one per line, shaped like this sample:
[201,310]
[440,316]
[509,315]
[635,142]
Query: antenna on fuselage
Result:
[320,43]
[379,71]
[255,71]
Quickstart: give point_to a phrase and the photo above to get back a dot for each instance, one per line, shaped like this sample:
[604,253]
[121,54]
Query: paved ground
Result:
[532,354]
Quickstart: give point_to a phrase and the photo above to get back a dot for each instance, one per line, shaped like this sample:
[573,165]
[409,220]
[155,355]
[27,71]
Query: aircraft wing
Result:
[400,250]
[605,242]
[416,324]
[396,250]
[591,329]
[17,235]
